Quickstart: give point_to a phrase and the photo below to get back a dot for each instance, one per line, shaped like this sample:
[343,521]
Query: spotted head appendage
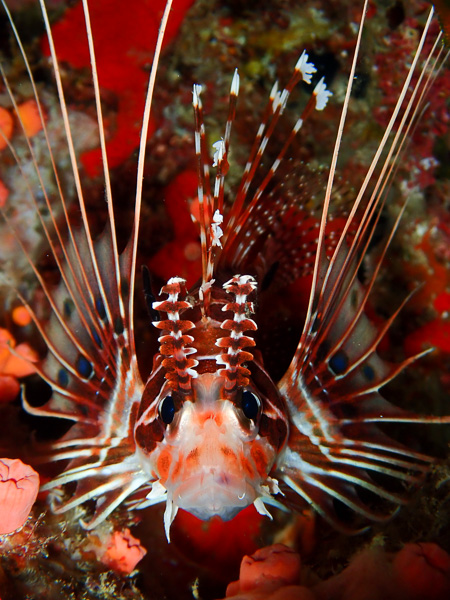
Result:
[198,432]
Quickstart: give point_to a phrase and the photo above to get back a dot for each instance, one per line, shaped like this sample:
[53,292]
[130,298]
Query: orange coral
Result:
[120,550]
[19,485]
[423,571]
[4,192]
[30,117]
[433,273]
[6,126]
[128,31]
[215,544]
[124,552]
[181,255]
[272,573]
[13,365]
[417,572]
[21,316]
[435,334]
[430,271]
[269,567]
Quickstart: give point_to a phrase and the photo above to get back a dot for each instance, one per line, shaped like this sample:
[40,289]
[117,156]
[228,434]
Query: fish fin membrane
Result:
[338,453]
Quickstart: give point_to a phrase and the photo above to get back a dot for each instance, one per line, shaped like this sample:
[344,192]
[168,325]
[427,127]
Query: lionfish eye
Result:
[167,410]
[250,405]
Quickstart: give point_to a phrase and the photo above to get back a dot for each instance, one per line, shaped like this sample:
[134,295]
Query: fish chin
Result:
[210,494]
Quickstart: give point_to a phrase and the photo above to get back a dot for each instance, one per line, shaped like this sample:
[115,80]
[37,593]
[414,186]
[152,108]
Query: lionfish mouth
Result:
[214,493]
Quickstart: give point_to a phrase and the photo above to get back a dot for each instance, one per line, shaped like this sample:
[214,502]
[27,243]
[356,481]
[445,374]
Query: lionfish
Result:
[210,431]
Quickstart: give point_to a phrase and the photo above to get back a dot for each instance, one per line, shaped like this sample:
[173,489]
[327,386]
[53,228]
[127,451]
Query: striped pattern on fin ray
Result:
[332,393]
[90,363]
[282,228]
[100,388]
[336,452]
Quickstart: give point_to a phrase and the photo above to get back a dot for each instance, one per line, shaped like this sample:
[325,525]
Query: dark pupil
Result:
[250,405]
[167,410]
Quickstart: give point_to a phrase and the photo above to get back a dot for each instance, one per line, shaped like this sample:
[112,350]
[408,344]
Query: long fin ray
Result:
[332,385]
[91,361]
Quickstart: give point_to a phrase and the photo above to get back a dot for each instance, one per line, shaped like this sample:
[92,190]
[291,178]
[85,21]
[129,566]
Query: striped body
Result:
[210,431]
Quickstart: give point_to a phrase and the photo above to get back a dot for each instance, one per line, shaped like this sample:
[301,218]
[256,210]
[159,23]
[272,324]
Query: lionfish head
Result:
[208,436]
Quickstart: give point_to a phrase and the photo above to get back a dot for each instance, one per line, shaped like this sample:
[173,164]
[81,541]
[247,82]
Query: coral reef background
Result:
[52,556]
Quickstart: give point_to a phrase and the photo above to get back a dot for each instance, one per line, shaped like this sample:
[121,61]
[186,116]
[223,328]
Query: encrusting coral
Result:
[118,550]
[15,362]
[271,573]
[6,127]
[416,572]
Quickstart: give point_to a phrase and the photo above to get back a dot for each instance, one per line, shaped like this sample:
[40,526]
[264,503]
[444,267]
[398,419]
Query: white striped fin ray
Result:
[246,200]
[278,234]
[211,204]
[258,216]
[239,220]
[336,453]
[91,361]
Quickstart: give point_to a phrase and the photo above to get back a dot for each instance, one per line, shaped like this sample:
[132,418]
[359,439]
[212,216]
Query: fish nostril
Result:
[223,479]
[219,477]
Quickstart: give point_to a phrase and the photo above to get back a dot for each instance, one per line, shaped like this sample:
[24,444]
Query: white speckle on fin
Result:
[306,69]
[217,232]
[157,493]
[274,91]
[322,94]
[219,153]
[272,486]
[176,280]
[235,84]
[196,91]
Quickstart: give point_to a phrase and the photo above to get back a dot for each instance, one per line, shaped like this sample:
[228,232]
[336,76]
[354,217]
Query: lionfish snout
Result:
[214,471]
[211,459]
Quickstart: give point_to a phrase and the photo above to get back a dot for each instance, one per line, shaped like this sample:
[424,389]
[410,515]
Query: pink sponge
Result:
[423,571]
[271,573]
[270,567]
[19,485]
